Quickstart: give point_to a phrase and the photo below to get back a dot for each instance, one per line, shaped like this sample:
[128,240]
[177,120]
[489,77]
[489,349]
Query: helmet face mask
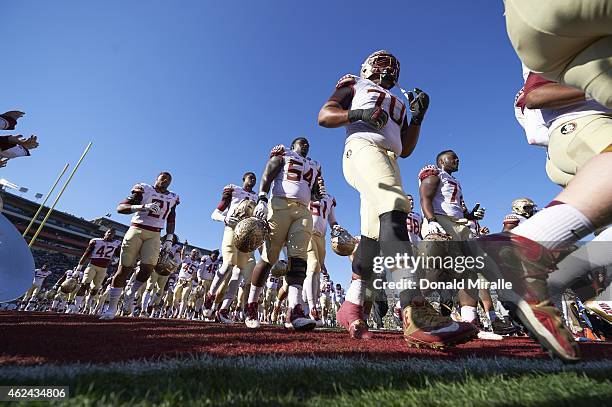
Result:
[381,68]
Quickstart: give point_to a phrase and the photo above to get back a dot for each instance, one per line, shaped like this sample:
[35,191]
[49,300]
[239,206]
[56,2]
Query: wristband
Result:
[136,208]
[432,219]
[262,197]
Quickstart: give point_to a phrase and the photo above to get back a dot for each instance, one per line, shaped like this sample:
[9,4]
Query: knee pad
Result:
[363,260]
[296,272]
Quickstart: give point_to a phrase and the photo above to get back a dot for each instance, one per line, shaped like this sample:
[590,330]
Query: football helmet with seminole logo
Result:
[382,68]
[524,207]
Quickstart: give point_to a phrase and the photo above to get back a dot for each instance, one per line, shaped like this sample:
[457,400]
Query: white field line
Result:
[336,366]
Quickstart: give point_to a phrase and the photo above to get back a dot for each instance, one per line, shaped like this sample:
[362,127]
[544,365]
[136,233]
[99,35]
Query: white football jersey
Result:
[297,177]
[207,268]
[272,282]
[166,202]
[171,282]
[532,122]
[321,211]
[327,288]
[239,194]
[514,219]
[449,197]
[366,95]
[188,267]
[339,295]
[414,222]
[40,275]
[474,227]
[103,252]
[176,251]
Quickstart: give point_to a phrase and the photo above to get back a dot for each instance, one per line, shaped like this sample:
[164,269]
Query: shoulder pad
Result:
[346,80]
[427,171]
[278,150]
[138,189]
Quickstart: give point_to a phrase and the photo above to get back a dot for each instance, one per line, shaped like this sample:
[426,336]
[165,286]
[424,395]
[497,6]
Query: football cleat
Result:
[424,326]
[314,315]
[503,327]
[296,319]
[252,316]
[350,317]
[526,264]
[223,316]
[208,305]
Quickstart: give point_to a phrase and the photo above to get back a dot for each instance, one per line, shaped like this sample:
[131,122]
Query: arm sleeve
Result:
[343,96]
[226,199]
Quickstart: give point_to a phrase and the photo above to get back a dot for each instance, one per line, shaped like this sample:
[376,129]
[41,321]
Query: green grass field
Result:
[260,381]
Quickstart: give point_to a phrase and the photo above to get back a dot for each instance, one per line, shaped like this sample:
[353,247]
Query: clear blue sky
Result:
[204,89]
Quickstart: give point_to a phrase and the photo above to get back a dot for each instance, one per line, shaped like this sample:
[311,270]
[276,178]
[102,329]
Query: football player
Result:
[272,285]
[323,213]
[378,132]
[445,213]
[568,41]
[39,277]
[99,253]
[158,279]
[186,276]
[59,301]
[153,207]
[207,269]
[293,178]
[168,297]
[580,146]
[236,203]
[325,299]
[522,209]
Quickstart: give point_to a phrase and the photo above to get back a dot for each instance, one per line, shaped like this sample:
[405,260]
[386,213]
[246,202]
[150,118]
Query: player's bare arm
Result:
[332,115]
[410,137]
[337,112]
[427,192]
[86,255]
[553,96]
[273,167]
[171,222]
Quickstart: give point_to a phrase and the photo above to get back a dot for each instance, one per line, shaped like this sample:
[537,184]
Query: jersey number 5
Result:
[294,172]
